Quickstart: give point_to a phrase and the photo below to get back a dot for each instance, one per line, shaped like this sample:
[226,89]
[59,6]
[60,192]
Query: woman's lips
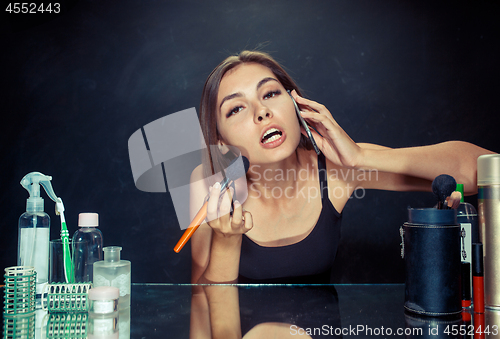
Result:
[274,141]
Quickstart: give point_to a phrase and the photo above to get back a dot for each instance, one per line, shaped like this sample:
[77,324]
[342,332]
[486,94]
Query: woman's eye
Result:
[234,111]
[272,94]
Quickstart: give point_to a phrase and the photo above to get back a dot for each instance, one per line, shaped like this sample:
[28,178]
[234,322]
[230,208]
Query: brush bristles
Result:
[442,186]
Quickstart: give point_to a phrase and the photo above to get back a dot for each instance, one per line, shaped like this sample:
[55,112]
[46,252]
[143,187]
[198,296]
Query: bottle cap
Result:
[34,204]
[31,182]
[477,260]
[104,293]
[488,169]
[112,253]
[88,220]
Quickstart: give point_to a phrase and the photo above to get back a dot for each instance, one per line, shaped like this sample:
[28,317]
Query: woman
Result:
[288,228]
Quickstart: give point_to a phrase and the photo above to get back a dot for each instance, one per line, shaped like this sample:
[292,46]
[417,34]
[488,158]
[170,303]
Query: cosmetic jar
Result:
[104,299]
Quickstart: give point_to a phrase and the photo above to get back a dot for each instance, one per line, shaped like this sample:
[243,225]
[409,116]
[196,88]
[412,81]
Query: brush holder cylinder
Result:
[431,250]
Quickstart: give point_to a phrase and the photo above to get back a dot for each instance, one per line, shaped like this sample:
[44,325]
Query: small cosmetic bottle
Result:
[112,271]
[87,246]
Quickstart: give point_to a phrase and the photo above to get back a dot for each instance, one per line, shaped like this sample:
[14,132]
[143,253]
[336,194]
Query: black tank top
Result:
[308,261]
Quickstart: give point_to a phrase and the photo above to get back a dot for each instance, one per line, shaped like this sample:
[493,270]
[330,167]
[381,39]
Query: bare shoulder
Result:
[197,173]
[198,188]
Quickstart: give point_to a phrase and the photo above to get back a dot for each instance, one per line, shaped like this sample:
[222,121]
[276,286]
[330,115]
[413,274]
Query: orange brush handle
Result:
[198,219]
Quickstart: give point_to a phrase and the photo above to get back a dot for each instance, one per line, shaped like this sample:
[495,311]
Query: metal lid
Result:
[488,169]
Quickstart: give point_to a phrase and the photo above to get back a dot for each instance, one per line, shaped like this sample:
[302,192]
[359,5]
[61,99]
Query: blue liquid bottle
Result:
[87,246]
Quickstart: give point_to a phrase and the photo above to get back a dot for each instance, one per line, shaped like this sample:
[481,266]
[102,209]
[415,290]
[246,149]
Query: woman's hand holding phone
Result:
[332,140]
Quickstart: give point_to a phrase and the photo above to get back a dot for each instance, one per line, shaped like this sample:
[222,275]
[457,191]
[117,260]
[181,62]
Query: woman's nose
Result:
[262,113]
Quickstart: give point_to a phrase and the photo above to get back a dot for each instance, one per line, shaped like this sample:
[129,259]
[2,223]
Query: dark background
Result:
[75,86]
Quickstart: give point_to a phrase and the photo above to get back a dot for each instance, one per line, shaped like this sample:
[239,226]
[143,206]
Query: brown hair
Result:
[208,106]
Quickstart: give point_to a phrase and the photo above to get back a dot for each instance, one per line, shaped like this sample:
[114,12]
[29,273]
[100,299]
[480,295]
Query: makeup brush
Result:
[442,187]
[234,171]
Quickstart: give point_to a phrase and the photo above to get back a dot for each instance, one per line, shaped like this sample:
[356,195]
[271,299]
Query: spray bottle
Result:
[34,229]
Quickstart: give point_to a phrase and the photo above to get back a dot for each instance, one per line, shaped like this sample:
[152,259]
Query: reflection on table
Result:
[291,311]
[260,311]
[43,324]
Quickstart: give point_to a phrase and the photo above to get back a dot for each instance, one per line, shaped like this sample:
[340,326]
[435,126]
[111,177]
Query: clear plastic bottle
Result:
[34,231]
[33,247]
[114,272]
[87,246]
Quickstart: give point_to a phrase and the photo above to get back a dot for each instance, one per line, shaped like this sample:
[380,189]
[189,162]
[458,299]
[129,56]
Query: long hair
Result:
[214,160]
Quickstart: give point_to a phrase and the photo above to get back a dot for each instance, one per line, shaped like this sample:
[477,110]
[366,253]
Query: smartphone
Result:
[304,124]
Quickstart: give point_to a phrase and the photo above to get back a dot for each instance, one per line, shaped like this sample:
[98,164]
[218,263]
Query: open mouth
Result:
[271,135]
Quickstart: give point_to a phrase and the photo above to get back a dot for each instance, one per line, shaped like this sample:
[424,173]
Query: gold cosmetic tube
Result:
[488,171]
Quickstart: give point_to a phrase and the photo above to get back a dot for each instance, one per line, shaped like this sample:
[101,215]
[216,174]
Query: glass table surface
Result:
[290,311]
[266,311]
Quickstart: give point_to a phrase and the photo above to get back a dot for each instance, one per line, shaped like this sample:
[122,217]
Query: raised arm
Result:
[400,169]
[216,245]
[456,158]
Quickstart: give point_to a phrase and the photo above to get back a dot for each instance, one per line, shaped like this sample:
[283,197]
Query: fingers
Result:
[237,218]
[313,105]
[315,113]
[218,212]
[248,220]
[225,206]
[241,218]
[322,124]
[453,201]
[213,202]
[306,102]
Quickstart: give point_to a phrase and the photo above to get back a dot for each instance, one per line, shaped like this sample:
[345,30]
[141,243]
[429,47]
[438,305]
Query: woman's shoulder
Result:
[197,173]
[198,187]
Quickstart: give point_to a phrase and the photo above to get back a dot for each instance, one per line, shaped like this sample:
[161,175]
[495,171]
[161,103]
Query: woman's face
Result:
[256,114]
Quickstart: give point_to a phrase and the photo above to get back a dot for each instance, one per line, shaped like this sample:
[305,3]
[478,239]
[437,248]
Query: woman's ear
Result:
[223,148]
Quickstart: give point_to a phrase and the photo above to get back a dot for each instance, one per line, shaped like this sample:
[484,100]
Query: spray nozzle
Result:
[31,182]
